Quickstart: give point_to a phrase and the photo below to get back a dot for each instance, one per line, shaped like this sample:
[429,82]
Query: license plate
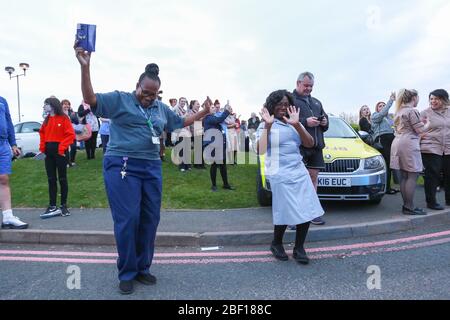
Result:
[335,182]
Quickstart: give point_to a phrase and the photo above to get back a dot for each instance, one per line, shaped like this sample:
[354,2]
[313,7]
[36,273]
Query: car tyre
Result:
[375,201]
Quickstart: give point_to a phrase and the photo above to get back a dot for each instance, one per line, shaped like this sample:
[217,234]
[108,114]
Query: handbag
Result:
[86,132]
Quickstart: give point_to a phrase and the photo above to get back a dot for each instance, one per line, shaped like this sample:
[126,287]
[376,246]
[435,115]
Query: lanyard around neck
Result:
[149,120]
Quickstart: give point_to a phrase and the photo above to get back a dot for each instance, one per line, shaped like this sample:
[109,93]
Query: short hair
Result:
[275,97]
[216,102]
[302,76]
[64,101]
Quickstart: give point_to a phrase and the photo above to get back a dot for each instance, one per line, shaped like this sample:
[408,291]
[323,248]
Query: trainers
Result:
[214,189]
[228,187]
[318,221]
[299,255]
[64,211]
[13,223]
[146,279]
[126,287]
[51,212]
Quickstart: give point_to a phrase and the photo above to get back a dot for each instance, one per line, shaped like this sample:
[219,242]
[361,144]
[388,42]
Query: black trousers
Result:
[56,167]
[70,154]
[221,166]
[435,164]
[91,145]
[105,140]
[187,142]
[386,142]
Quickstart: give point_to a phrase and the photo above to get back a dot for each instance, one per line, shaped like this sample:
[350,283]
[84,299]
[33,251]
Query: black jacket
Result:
[311,107]
[83,113]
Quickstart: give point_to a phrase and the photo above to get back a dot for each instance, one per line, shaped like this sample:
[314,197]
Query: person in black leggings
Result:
[84,111]
[213,122]
[56,135]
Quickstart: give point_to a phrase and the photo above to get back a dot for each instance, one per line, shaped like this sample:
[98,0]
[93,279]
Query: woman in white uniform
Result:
[294,199]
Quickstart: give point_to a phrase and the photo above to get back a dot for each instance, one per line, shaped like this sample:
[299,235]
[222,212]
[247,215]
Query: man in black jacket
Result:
[315,120]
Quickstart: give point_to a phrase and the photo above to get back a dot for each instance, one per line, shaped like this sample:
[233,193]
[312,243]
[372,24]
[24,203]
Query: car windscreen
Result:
[339,129]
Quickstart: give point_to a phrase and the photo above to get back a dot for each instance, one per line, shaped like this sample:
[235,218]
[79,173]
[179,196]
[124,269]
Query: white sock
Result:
[7,214]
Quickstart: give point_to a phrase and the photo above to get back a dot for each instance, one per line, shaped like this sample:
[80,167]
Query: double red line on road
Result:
[344,251]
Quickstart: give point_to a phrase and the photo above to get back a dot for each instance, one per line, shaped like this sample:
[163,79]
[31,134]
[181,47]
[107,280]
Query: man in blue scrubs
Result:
[132,165]
[7,142]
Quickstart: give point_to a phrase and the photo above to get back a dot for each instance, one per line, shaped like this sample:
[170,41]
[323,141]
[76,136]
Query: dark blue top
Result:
[130,135]
[6,125]
[214,122]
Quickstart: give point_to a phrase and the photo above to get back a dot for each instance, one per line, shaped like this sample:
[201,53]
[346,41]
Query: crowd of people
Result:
[413,143]
[135,128]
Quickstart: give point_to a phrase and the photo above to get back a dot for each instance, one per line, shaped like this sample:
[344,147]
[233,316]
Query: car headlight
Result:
[374,163]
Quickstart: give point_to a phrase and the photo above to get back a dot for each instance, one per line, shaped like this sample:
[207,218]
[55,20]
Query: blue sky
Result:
[242,50]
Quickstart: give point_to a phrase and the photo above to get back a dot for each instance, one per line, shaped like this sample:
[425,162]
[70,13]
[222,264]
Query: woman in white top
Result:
[294,199]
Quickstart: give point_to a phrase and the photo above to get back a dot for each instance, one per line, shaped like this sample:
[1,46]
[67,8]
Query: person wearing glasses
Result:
[132,165]
[294,198]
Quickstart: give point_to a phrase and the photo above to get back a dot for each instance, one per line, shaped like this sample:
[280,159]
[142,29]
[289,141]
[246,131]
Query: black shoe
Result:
[447,203]
[299,254]
[126,287]
[146,279]
[64,211]
[278,252]
[414,212]
[214,189]
[435,206]
[51,212]
[318,221]
[392,191]
[228,187]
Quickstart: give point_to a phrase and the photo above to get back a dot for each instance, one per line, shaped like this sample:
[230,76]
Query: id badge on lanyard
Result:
[155,139]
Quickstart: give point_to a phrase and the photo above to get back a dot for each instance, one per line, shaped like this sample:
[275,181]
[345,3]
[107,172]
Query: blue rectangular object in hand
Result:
[86,36]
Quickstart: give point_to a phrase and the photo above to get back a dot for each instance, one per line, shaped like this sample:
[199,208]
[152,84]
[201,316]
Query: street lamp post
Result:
[10,70]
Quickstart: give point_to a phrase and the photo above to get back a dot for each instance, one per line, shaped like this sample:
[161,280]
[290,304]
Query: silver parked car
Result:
[27,136]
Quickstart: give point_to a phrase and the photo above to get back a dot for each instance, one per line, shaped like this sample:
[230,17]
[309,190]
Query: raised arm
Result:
[199,115]
[293,120]
[377,117]
[262,143]
[84,58]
